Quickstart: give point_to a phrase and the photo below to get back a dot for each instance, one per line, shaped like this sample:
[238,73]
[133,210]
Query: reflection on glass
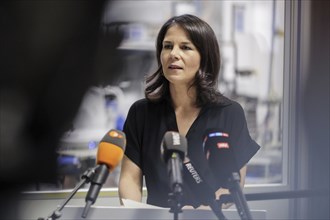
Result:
[251,40]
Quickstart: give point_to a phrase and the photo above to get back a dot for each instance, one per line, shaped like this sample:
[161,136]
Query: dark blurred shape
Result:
[51,53]
[315,99]
[108,60]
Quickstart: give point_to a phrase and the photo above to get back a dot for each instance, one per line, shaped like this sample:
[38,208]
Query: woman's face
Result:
[179,57]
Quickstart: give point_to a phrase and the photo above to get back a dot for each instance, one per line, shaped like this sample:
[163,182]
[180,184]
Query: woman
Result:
[181,96]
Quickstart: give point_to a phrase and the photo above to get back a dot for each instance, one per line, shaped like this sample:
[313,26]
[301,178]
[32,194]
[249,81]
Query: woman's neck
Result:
[184,104]
[182,97]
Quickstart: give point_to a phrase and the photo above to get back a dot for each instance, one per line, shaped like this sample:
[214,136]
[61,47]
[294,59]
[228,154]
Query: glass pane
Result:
[252,50]
[251,37]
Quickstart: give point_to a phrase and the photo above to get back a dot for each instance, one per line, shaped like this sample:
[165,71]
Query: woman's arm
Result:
[130,181]
[242,172]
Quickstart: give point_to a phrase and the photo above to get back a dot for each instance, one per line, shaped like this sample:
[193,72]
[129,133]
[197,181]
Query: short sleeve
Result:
[132,129]
[244,146]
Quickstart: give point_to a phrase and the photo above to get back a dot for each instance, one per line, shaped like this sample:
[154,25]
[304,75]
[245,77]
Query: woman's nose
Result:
[174,53]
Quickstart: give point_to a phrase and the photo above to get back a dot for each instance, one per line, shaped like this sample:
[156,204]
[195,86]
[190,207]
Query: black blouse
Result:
[146,124]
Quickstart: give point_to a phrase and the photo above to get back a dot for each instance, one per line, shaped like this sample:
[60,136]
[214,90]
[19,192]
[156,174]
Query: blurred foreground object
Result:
[50,55]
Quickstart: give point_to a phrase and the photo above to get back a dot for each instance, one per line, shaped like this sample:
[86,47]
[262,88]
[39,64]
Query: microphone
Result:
[201,189]
[173,151]
[203,192]
[220,156]
[110,152]
[222,162]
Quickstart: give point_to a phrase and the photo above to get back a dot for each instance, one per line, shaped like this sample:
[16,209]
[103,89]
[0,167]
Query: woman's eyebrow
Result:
[184,42]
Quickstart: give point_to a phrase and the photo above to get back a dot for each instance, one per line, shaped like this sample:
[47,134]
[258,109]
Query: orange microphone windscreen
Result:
[111,149]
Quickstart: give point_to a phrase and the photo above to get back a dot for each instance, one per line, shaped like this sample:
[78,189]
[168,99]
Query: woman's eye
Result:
[186,48]
[167,46]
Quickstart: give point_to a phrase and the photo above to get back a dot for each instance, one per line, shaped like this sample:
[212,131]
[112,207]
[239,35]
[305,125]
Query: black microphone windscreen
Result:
[173,142]
[220,155]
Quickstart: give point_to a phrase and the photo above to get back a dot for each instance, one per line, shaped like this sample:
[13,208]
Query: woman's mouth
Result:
[174,67]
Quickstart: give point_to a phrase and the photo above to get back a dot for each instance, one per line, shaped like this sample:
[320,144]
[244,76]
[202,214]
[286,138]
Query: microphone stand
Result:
[86,177]
[175,201]
[238,197]
[217,210]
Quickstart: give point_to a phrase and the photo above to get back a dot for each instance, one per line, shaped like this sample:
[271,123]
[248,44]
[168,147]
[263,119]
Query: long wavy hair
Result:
[206,79]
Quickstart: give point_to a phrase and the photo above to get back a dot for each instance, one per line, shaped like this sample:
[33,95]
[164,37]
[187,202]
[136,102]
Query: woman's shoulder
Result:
[145,103]
[140,102]
[234,105]
[227,103]
[229,106]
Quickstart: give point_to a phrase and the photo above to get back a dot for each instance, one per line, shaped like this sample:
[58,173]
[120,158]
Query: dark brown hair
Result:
[203,37]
